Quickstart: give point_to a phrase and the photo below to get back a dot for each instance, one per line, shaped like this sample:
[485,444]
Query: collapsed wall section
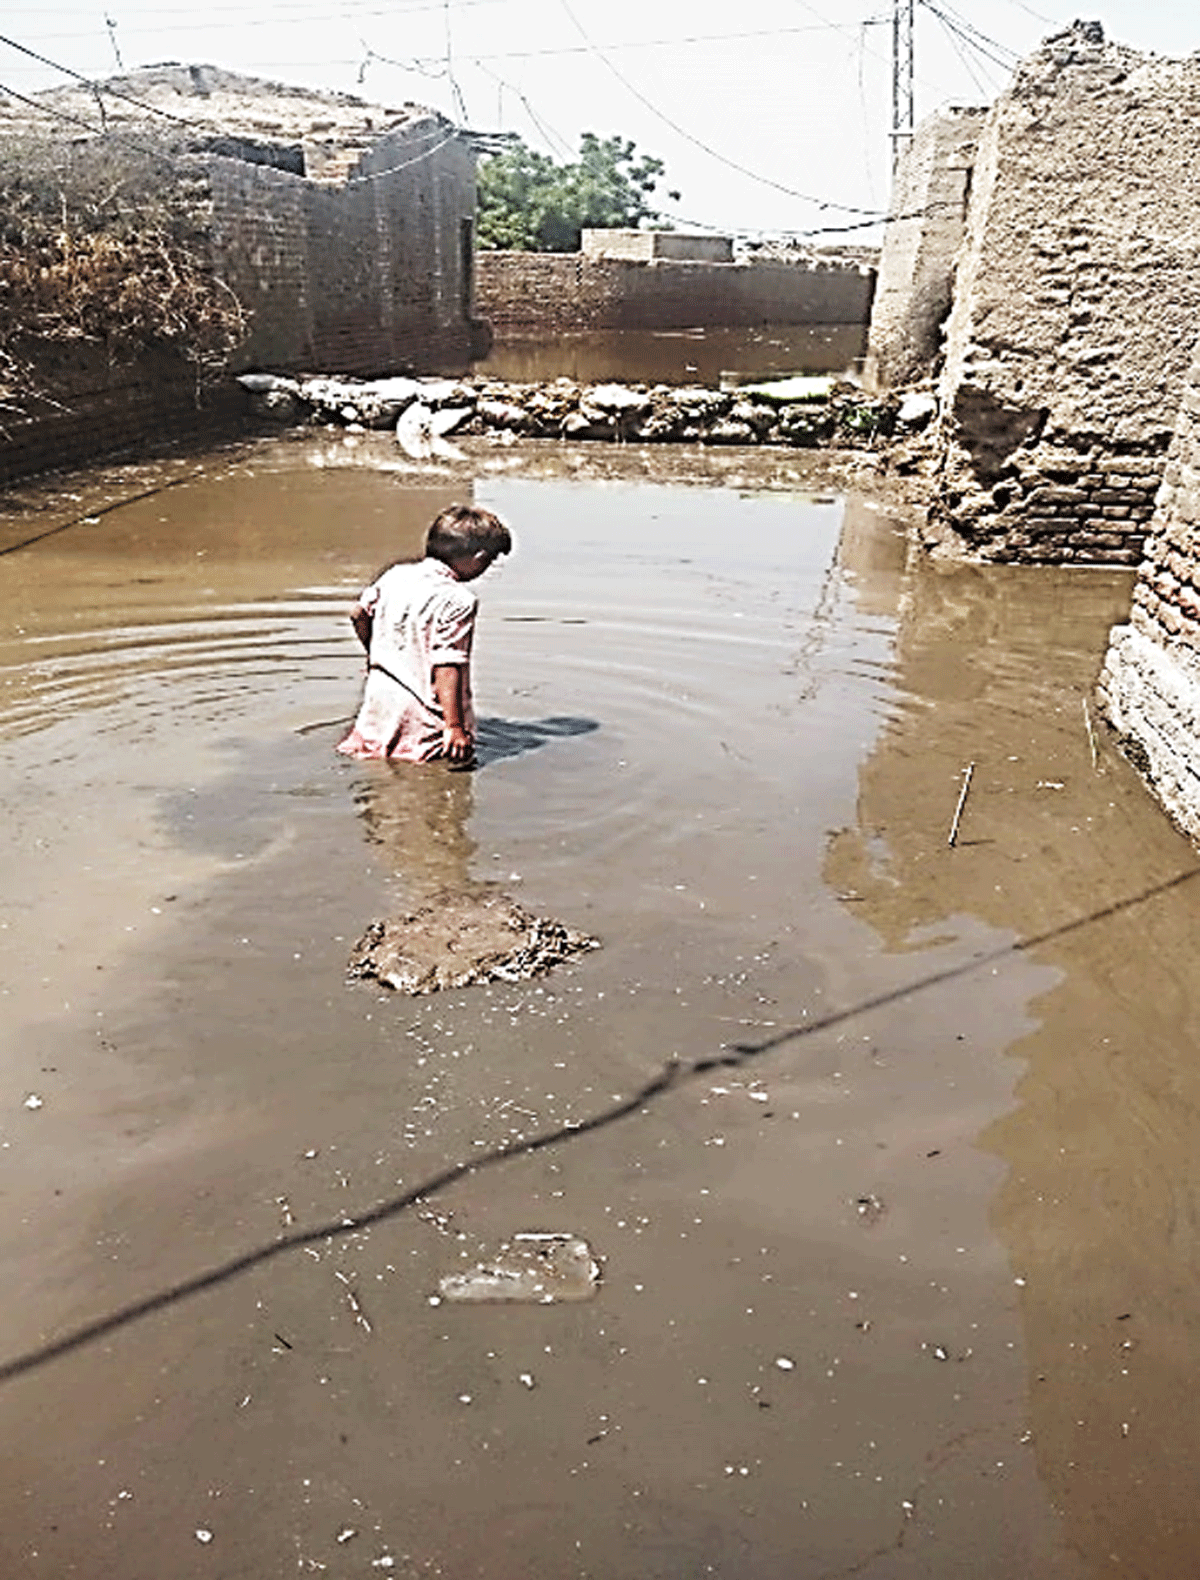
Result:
[1075,300]
[369,273]
[1149,687]
[543,292]
[916,268]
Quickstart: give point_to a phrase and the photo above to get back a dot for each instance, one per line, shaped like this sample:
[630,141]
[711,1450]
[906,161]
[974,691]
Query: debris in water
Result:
[33,1101]
[785,1363]
[869,1208]
[204,1536]
[531,1269]
[458,940]
[968,773]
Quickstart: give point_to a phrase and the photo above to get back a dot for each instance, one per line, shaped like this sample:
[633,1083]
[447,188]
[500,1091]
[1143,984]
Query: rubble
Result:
[796,412]
[460,940]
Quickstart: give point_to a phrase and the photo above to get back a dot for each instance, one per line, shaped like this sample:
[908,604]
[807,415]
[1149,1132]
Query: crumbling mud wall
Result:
[545,292]
[1076,295]
[916,269]
[1149,687]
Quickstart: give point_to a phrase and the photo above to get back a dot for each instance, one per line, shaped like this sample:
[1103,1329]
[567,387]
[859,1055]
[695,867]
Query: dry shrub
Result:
[104,242]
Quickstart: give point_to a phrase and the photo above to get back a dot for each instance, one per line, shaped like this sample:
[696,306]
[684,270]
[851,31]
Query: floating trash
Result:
[530,1269]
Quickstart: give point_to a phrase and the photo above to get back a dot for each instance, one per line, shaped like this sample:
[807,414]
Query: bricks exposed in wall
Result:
[560,292]
[1149,687]
[367,276]
[1075,300]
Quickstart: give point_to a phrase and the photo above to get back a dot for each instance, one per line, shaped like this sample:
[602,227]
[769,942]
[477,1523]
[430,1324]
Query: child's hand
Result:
[457,745]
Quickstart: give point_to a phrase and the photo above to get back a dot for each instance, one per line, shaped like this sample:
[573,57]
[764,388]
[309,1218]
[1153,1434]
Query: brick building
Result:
[344,229]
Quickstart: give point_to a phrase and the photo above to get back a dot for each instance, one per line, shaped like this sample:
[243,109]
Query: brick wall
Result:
[528,292]
[368,276]
[1150,685]
[102,409]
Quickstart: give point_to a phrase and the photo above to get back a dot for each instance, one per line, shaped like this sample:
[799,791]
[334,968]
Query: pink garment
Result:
[422,615]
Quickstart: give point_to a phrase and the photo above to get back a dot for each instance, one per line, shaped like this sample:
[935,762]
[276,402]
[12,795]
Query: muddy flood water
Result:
[888,1152]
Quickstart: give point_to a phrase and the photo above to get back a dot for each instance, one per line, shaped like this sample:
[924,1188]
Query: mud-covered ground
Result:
[888,1151]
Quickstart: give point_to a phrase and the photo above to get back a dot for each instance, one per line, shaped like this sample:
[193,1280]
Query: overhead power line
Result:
[89,82]
[732,164]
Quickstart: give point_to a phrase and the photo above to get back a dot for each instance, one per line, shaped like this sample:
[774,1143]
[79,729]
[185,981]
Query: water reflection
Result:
[686,356]
[420,813]
[1103,1146]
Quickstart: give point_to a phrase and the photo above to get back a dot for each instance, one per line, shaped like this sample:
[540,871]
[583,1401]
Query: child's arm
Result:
[363,624]
[457,744]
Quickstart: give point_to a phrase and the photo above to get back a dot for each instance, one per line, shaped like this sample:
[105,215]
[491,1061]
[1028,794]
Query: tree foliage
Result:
[529,202]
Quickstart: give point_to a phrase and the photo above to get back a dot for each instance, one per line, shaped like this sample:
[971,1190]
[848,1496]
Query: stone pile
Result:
[806,412]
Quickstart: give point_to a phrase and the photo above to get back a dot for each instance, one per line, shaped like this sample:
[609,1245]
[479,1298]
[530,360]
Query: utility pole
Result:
[902,78]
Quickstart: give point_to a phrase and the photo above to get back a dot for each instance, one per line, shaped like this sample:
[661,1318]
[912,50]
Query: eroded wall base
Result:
[1151,696]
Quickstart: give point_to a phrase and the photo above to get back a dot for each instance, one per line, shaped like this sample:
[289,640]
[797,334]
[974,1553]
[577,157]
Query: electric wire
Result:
[970,36]
[967,64]
[158,153]
[90,82]
[697,142]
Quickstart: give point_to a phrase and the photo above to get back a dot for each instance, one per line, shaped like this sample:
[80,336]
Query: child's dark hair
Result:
[460,531]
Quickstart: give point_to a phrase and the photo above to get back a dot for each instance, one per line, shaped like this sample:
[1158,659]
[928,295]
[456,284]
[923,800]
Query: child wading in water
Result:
[416,622]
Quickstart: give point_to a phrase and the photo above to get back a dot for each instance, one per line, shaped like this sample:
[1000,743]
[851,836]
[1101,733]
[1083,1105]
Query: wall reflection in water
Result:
[1100,1210]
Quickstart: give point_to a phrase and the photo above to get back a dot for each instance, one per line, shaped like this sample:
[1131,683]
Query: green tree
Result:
[530,203]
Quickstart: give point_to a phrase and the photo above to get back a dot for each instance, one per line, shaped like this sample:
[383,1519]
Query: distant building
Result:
[648,245]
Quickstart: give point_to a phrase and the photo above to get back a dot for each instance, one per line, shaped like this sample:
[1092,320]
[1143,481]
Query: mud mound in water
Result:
[456,940]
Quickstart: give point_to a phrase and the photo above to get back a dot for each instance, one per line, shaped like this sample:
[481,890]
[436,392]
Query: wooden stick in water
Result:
[1087,719]
[968,771]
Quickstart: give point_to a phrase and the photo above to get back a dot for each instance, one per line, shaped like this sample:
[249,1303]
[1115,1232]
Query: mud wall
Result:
[532,292]
[369,275]
[916,269]
[1076,296]
[1150,684]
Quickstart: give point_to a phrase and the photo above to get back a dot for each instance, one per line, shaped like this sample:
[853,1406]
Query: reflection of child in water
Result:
[416,622]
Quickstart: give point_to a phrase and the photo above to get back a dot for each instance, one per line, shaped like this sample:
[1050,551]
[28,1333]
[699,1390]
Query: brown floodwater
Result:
[712,357]
[889,1151]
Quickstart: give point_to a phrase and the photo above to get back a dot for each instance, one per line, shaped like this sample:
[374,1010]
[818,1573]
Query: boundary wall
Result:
[1149,687]
[540,292]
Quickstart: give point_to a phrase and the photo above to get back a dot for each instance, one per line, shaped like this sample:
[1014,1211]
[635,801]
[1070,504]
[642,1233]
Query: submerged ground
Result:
[890,1152]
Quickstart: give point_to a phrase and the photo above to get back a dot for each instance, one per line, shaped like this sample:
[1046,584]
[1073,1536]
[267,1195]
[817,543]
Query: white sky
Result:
[799,94]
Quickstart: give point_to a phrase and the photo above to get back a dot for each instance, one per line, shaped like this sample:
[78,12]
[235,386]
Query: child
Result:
[416,622]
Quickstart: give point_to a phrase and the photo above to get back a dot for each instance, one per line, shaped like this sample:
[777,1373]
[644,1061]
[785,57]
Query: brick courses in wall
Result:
[1149,687]
[1076,291]
[532,292]
[344,229]
[367,273]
